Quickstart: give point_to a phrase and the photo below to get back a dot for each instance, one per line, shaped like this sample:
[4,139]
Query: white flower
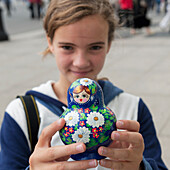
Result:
[72,118]
[95,119]
[82,135]
[86,81]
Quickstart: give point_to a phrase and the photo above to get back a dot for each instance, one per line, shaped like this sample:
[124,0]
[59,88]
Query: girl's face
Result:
[82,97]
[80,48]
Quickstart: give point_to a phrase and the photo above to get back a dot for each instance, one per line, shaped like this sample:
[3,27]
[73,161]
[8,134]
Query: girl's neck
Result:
[60,88]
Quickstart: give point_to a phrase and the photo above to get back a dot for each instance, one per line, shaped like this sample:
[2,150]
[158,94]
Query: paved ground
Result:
[138,64]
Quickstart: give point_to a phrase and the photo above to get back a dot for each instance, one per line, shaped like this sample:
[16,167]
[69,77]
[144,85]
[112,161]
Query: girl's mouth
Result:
[81,72]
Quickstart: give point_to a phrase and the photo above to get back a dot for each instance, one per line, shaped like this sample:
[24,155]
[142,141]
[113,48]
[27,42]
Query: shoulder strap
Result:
[32,116]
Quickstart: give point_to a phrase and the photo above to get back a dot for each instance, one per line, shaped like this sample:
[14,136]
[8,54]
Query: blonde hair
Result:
[65,12]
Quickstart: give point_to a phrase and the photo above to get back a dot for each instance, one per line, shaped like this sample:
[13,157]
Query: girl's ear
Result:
[50,45]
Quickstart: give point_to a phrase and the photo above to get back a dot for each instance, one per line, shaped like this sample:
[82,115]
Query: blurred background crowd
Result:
[36,7]
[132,14]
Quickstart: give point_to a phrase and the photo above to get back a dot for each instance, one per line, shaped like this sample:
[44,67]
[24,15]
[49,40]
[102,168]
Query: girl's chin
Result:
[72,76]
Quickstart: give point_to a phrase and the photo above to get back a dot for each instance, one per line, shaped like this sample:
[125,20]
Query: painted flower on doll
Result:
[72,118]
[86,82]
[82,135]
[95,119]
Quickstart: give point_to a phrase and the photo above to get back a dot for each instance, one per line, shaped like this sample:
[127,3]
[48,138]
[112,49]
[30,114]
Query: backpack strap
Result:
[32,116]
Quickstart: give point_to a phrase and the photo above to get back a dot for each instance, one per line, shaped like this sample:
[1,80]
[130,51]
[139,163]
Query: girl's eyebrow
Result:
[98,43]
[65,43]
[71,44]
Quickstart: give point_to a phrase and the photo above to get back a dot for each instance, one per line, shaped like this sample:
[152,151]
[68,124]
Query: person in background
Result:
[158,6]
[140,16]
[125,13]
[8,6]
[165,22]
[35,8]
[79,36]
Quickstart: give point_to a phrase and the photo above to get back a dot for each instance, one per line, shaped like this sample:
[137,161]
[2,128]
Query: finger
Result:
[68,165]
[130,125]
[119,144]
[48,132]
[57,152]
[115,144]
[134,138]
[77,165]
[117,164]
[118,154]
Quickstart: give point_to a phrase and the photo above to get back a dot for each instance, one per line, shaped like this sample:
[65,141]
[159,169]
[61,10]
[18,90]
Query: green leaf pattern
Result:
[100,136]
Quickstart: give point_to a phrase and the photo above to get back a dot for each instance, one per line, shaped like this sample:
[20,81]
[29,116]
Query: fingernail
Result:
[80,148]
[93,163]
[59,122]
[103,151]
[115,136]
[102,162]
[120,123]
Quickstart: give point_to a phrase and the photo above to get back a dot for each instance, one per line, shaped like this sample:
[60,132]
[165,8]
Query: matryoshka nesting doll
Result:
[87,118]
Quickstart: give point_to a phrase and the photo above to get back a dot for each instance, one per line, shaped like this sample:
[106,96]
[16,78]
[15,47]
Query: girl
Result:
[79,35]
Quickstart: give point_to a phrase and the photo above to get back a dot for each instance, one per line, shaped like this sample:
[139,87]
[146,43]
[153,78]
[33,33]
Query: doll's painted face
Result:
[82,97]
[81,94]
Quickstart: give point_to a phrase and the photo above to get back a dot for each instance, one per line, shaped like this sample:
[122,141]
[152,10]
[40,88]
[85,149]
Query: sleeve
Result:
[152,152]
[15,152]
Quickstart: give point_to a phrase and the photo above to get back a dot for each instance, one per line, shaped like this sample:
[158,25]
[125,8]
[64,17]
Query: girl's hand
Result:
[126,150]
[47,157]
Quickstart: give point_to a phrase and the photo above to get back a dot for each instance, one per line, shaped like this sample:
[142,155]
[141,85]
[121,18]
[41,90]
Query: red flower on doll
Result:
[100,129]
[80,110]
[94,130]
[82,123]
[66,134]
[66,128]
[71,130]
[95,135]
[87,110]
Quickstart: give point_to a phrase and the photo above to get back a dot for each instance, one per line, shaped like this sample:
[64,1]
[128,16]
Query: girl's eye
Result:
[96,47]
[67,47]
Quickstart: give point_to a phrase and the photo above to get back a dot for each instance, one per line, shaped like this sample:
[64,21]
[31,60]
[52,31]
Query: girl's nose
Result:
[81,60]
